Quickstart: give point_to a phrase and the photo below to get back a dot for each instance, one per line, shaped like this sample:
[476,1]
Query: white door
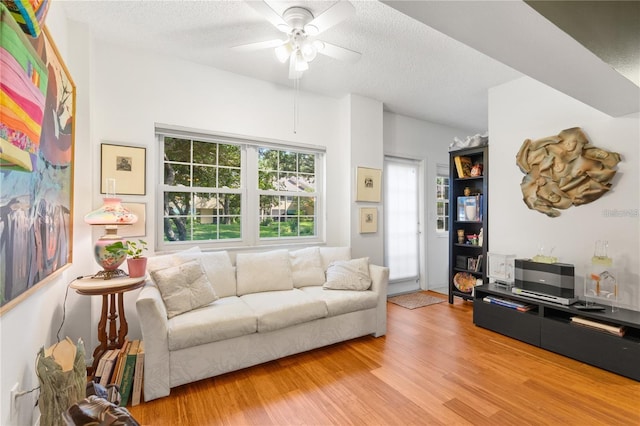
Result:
[402,224]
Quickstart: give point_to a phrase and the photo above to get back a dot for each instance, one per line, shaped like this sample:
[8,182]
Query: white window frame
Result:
[442,172]
[250,214]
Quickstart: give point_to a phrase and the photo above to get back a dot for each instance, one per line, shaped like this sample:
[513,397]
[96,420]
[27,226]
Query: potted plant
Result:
[136,262]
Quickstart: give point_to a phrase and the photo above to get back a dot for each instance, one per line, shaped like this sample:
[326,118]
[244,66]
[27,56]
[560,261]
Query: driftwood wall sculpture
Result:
[564,170]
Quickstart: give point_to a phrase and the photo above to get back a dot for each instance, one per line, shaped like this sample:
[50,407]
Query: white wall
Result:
[428,143]
[525,109]
[366,151]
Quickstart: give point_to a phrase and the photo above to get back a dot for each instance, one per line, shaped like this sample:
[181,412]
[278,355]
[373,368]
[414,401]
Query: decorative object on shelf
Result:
[110,215]
[476,170]
[368,220]
[501,268]
[473,239]
[464,282]
[600,282]
[470,208]
[36,153]
[467,191]
[460,236]
[543,257]
[369,184]
[564,170]
[127,165]
[136,262]
[469,142]
[481,236]
[463,166]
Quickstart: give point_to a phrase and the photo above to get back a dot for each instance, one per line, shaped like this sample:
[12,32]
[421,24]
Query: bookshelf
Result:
[468,216]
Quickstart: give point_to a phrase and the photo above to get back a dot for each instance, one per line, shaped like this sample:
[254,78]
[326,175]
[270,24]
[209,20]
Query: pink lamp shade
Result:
[111,214]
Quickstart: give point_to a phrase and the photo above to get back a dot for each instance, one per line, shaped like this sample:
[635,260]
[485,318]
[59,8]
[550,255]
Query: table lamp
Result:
[110,215]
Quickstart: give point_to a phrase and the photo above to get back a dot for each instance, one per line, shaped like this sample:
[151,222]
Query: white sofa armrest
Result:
[152,314]
[379,283]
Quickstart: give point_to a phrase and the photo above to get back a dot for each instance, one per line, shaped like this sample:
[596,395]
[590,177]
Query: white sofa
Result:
[269,305]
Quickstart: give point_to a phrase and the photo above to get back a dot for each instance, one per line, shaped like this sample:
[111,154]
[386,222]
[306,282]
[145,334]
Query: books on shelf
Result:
[519,306]
[618,330]
[463,166]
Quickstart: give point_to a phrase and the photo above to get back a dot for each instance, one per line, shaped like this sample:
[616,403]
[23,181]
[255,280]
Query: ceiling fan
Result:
[301,27]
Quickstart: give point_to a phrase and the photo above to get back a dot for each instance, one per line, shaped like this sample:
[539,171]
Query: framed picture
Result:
[36,164]
[368,185]
[138,229]
[368,220]
[127,165]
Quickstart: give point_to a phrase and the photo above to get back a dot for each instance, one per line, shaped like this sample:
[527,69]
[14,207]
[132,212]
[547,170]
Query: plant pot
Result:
[137,267]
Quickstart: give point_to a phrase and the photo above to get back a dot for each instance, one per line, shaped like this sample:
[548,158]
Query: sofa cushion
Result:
[332,254]
[280,309]
[155,263]
[226,318]
[184,287]
[217,265]
[306,267]
[348,275]
[267,271]
[343,301]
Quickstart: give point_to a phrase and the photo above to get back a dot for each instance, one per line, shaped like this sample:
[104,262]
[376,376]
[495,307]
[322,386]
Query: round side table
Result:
[110,290]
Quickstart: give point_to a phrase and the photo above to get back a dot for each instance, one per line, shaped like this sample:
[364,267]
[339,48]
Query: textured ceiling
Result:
[413,69]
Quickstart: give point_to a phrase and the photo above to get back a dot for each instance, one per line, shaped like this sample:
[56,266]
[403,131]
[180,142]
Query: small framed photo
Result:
[368,220]
[127,165]
[369,184]
[138,229]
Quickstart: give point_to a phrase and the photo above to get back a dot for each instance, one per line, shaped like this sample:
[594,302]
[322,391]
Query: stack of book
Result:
[123,367]
[618,330]
[519,306]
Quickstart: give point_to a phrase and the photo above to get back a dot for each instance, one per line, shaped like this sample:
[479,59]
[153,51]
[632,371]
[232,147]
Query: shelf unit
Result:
[549,326]
[458,252]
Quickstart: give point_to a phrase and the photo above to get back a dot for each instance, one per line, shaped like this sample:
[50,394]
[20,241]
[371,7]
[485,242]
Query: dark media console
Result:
[549,326]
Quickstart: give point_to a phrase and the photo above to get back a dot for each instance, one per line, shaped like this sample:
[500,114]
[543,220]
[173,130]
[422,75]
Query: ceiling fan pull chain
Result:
[296,85]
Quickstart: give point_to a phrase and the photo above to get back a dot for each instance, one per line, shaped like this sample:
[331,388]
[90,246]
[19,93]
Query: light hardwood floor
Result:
[433,367]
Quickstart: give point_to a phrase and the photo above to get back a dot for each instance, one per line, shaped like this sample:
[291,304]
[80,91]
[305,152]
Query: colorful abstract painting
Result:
[37,108]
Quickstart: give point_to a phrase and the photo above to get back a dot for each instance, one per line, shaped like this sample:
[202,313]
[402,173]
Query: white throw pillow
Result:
[184,287]
[155,263]
[348,275]
[332,254]
[220,272]
[306,267]
[267,271]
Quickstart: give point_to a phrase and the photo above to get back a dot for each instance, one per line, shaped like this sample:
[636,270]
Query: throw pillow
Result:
[267,271]
[348,275]
[306,267]
[332,254]
[217,265]
[155,263]
[184,287]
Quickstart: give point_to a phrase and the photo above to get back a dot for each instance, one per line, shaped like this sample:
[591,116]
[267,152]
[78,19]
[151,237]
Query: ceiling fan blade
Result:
[338,52]
[259,45]
[270,15]
[330,17]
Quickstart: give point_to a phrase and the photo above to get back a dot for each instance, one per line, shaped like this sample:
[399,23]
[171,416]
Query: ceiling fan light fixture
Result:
[308,51]
[300,63]
[283,52]
[311,30]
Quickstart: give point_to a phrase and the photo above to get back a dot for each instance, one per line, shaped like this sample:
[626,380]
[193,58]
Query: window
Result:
[287,193]
[227,191]
[442,203]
